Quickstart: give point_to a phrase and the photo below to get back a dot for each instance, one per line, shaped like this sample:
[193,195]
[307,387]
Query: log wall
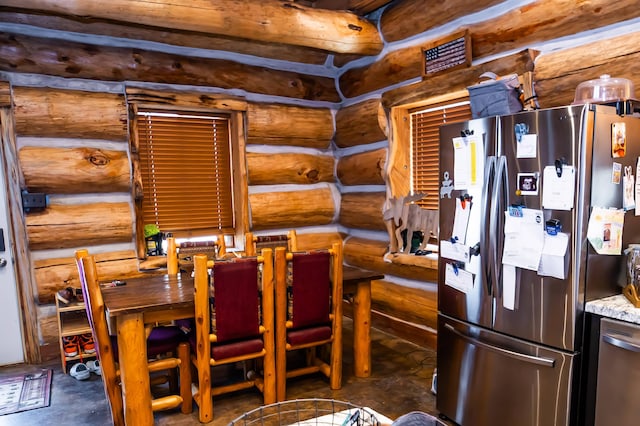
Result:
[74,144]
[394,78]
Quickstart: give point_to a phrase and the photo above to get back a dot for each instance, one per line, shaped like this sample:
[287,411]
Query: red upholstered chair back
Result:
[310,288]
[309,313]
[255,243]
[236,299]
[234,323]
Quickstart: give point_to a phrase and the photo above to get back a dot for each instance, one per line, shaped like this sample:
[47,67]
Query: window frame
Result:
[399,170]
[236,110]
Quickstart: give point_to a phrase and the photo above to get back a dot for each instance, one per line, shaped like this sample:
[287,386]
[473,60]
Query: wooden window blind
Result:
[425,146]
[185,163]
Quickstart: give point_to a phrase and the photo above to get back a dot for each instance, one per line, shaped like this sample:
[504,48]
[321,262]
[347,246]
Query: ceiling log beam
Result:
[274,21]
[24,54]
[285,52]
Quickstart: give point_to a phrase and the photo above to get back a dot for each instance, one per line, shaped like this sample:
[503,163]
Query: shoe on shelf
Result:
[87,344]
[66,295]
[79,295]
[94,367]
[80,371]
[71,345]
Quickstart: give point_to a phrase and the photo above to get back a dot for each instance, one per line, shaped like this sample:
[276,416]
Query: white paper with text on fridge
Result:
[523,239]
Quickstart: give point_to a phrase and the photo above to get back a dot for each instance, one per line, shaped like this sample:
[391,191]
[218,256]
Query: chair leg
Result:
[185,378]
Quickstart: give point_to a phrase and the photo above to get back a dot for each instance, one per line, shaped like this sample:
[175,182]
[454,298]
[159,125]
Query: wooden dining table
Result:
[158,299]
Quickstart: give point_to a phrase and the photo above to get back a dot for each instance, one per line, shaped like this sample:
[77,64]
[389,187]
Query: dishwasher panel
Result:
[618,387]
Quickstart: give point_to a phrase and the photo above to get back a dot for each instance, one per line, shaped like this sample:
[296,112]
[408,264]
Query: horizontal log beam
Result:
[545,20]
[369,254]
[458,79]
[191,39]
[46,112]
[407,18]
[77,225]
[559,73]
[516,29]
[360,124]
[273,124]
[395,67]
[362,210]
[25,54]
[58,273]
[74,170]
[274,21]
[289,168]
[416,305]
[316,240]
[292,209]
[365,168]
[184,100]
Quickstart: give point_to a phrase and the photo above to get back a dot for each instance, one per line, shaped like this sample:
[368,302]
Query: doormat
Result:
[24,392]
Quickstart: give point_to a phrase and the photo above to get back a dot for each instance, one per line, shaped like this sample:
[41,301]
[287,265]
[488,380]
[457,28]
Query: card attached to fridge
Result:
[554,262]
[523,239]
[458,278]
[558,187]
[454,251]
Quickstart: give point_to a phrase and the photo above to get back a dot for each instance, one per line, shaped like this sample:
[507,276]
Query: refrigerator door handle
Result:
[545,362]
[499,204]
[485,249]
[620,342]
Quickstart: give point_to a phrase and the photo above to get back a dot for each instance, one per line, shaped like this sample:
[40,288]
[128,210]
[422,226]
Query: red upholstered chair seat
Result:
[308,335]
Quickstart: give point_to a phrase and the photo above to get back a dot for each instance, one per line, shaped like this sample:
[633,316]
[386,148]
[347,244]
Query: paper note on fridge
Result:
[458,278]
[558,192]
[454,251]
[523,239]
[468,161]
[554,262]
[604,231]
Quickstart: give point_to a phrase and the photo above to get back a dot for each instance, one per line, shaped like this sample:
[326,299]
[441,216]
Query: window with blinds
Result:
[425,143]
[185,163]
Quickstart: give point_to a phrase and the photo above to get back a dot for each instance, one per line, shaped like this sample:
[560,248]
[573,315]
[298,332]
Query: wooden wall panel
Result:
[45,112]
[289,168]
[359,124]
[75,225]
[75,170]
[26,54]
[365,168]
[58,273]
[273,124]
[369,254]
[292,209]
[362,210]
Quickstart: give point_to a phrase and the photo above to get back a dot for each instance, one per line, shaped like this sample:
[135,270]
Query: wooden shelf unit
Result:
[72,321]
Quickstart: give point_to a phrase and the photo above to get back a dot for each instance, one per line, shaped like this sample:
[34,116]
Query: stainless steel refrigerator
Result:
[511,356]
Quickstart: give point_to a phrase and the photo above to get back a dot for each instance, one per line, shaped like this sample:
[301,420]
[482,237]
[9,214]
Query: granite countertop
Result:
[617,307]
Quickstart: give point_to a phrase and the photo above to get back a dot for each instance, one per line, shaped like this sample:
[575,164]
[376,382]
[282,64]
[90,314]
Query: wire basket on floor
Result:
[309,412]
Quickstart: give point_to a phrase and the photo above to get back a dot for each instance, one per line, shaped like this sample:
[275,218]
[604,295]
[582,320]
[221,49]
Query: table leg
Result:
[362,329]
[134,371]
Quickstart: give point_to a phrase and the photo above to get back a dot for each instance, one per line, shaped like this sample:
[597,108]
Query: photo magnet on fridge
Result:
[528,183]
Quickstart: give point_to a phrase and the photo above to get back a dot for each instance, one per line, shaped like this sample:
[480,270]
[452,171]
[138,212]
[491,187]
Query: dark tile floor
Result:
[400,382]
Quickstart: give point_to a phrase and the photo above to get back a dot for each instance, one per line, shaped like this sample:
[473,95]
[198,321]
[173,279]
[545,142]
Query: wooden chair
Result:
[308,313]
[180,256]
[254,244]
[160,341]
[234,322]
